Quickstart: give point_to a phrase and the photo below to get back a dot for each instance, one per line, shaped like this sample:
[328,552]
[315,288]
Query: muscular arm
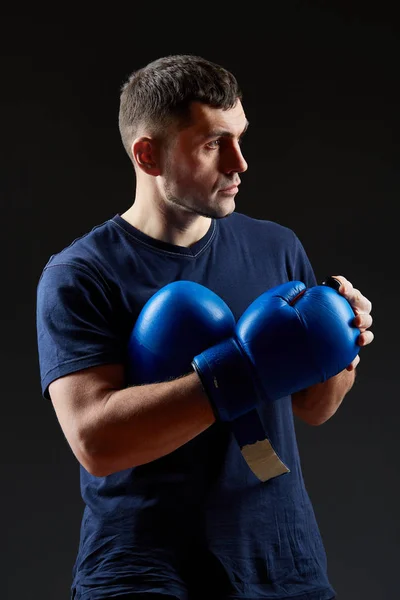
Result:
[319,402]
[110,429]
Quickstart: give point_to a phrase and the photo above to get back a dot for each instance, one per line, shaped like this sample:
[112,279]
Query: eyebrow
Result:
[225,133]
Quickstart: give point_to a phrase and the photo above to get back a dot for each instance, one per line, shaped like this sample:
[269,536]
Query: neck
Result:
[173,224]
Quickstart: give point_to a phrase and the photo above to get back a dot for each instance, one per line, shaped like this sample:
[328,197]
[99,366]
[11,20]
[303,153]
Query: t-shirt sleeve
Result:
[302,269]
[75,323]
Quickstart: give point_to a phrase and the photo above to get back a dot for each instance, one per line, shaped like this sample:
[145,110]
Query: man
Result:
[172,509]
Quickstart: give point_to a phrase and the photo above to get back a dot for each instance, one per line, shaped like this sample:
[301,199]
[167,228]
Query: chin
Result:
[216,213]
[224,211]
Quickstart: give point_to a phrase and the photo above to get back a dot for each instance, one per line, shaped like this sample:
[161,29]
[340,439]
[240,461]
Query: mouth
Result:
[231,189]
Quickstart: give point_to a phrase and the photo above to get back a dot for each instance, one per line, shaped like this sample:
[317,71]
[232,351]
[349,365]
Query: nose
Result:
[234,161]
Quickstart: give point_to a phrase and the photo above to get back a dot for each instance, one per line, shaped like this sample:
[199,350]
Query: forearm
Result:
[140,424]
[319,402]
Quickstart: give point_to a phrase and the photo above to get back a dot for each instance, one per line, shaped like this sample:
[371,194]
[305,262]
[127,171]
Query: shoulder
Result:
[82,247]
[85,254]
[260,228]
[280,246]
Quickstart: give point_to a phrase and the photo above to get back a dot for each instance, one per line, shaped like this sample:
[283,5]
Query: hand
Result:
[287,340]
[179,321]
[362,309]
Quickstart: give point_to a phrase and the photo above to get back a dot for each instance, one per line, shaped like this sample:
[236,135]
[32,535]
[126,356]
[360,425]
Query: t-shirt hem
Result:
[325,593]
[94,595]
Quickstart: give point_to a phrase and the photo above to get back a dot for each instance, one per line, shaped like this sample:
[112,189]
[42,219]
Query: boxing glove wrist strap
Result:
[227,379]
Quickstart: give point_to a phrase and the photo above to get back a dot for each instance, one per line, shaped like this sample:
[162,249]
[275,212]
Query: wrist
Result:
[227,379]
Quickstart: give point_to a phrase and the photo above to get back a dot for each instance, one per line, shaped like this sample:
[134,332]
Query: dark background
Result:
[321,91]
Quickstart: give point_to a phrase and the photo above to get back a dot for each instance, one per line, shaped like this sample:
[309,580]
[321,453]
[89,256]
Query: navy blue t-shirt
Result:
[196,523]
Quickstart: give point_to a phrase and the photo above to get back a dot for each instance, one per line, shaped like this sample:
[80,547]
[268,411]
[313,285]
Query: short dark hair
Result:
[160,94]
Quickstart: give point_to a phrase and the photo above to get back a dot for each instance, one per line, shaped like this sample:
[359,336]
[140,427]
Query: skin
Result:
[179,189]
[319,403]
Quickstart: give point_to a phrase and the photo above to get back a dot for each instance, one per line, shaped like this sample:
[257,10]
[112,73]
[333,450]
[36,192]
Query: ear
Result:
[145,155]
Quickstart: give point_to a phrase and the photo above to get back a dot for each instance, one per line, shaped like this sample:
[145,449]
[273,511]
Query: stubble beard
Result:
[188,206]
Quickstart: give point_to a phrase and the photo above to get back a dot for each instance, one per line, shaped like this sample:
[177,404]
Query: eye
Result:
[214,144]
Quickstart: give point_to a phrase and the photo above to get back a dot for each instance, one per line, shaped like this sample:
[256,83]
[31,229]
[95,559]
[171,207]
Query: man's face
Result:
[204,160]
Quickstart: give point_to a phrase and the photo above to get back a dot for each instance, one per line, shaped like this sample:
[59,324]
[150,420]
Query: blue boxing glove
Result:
[178,322]
[287,340]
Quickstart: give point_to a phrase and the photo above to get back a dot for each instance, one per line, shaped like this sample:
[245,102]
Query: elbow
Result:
[317,422]
[90,461]
[94,463]
[96,469]
[91,454]
[102,467]
[318,418]
[312,417]
[101,457]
